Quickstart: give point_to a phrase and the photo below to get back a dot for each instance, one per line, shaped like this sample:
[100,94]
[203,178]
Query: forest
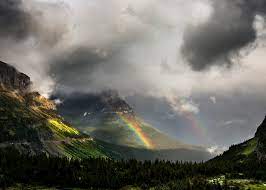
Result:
[99,173]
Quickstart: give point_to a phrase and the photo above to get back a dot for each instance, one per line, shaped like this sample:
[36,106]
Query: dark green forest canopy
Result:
[107,173]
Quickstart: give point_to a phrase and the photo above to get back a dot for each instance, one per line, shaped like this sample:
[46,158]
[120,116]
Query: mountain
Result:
[194,154]
[260,139]
[253,149]
[108,117]
[31,123]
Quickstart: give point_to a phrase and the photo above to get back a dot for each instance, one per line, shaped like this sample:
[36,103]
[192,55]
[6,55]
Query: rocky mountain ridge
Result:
[12,79]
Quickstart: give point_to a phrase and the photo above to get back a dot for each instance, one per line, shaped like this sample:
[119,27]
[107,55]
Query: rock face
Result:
[112,102]
[12,79]
[34,99]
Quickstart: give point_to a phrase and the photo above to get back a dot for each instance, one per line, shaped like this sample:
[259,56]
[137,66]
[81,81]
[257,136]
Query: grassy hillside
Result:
[241,152]
[245,160]
[30,123]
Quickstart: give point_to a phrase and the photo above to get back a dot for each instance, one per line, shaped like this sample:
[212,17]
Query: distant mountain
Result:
[194,154]
[252,149]
[108,117]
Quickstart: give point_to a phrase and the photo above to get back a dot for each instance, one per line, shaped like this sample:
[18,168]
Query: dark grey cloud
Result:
[41,21]
[30,31]
[73,68]
[231,120]
[229,29]
[158,113]
[48,22]
[14,21]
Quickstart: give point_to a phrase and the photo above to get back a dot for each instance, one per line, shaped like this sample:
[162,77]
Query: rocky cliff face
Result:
[12,79]
[88,105]
[34,99]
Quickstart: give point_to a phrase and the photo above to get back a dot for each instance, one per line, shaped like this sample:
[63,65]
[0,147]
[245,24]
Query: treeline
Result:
[106,173]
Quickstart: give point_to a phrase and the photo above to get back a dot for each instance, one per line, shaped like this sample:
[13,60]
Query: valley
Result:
[98,141]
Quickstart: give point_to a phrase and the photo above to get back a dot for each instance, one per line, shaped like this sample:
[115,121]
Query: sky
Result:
[193,68]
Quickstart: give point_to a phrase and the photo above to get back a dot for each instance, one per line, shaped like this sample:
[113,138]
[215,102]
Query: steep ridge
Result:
[107,117]
[12,79]
[29,121]
[251,150]
[261,140]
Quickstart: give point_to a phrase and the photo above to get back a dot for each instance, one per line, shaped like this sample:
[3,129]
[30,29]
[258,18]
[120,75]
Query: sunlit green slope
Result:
[30,123]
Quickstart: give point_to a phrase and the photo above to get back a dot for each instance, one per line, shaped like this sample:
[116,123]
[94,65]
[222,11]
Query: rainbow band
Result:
[134,126]
[195,123]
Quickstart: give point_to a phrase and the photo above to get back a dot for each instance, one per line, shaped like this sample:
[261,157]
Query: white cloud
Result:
[216,150]
[234,122]
[183,106]
[213,99]
[58,101]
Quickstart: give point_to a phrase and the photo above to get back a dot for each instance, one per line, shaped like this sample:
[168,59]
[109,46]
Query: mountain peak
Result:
[12,79]
[261,131]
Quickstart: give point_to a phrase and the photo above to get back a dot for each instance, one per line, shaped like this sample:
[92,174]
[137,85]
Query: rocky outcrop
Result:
[112,102]
[12,79]
[34,99]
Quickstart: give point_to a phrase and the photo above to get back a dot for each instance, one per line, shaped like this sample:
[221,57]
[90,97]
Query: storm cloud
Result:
[14,21]
[229,29]
[77,65]
[20,20]
[180,52]
[30,32]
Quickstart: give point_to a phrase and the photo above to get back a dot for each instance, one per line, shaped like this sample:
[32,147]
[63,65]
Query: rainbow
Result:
[134,126]
[196,125]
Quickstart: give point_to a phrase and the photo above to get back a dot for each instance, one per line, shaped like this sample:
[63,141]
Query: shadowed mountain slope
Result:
[108,117]
[251,150]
